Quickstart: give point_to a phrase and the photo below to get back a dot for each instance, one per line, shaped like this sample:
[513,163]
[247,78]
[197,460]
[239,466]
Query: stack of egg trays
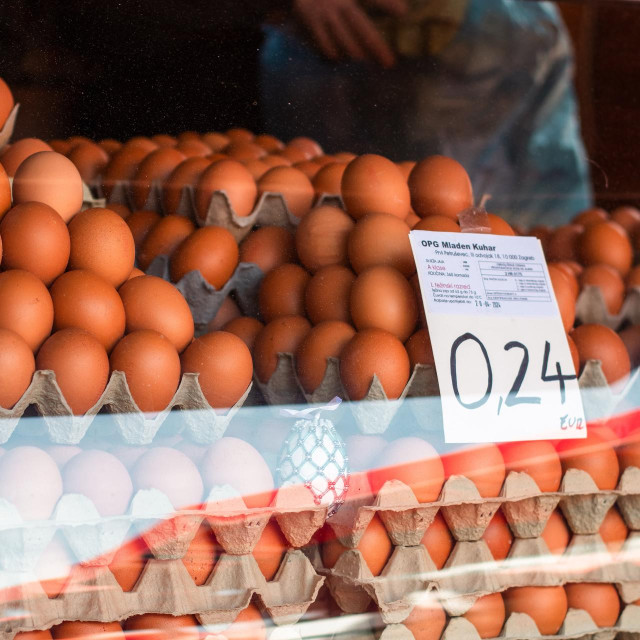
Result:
[92,593]
[471,571]
[375,413]
[194,419]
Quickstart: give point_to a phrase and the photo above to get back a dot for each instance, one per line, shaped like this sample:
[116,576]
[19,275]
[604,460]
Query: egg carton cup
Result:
[7,129]
[375,412]
[270,209]
[204,299]
[115,413]
[591,307]
[164,586]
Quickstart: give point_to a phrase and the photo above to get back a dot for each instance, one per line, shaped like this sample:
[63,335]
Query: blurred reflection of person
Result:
[487,82]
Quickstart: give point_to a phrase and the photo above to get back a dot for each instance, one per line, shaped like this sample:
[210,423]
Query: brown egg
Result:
[122,167]
[152,303]
[438,541]
[110,145]
[155,168]
[321,237]
[128,563]
[5,192]
[575,356]
[437,223]
[556,533]
[268,247]
[269,550]
[307,145]
[158,626]
[440,186]
[88,630]
[6,102]
[419,348]
[164,140]
[427,619]
[482,464]
[564,242]
[293,154]
[269,143]
[35,239]
[90,159]
[140,223]
[16,368]
[121,209]
[228,311]
[329,179]
[345,156]
[84,300]
[194,148]
[14,155]
[628,218]
[243,151]
[498,536]
[308,167]
[499,227]
[201,555]
[547,606]
[382,298]
[605,243]
[381,239]
[282,292]
[102,242]
[600,601]
[631,338]
[81,366]
[564,293]
[216,141]
[610,283]
[246,329]
[613,529]
[74,141]
[594,455]
[406,166]
[25,307]
[33,635]
[374,352]
[231,177]
[536,458]
[325,340]
[256,168]
[375,547]
[61,146]
[566,268]
[633,278]
[487,615]
[141,142]
[275,160]
[589,217]
[237,134]
[282,335]
[50,178]
[597,342]
[328,294]
[224,364]
[292,184]
[163,239]
[373,184]
[151,365]
[186,173]
[211,250]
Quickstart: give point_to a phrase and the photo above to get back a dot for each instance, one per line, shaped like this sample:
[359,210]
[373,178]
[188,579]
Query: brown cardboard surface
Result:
[591,307]
[7,130]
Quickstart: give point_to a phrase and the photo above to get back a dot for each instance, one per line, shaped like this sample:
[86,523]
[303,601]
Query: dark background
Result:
[118,69]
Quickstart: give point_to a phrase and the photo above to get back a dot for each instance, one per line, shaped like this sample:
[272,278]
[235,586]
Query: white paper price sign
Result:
[503,362]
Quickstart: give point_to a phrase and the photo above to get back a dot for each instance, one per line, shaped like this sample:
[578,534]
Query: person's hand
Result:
[340,28]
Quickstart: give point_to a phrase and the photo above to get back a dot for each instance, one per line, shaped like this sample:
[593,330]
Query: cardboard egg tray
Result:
[115,413]
[269,210]
[591,307]
[92,593]
[7,130]
[471,570]
[375,413]
[204,299]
